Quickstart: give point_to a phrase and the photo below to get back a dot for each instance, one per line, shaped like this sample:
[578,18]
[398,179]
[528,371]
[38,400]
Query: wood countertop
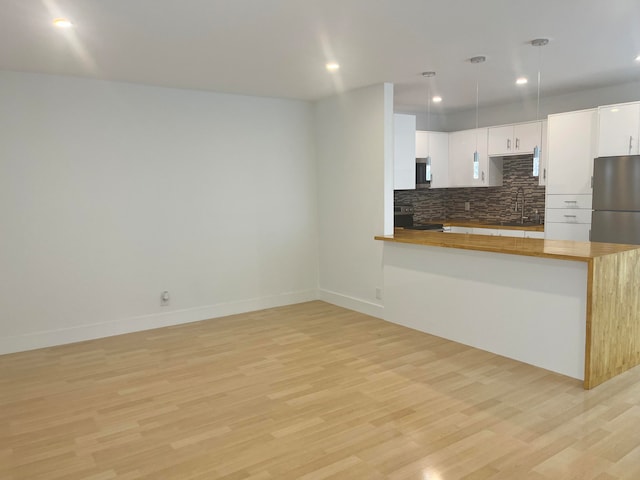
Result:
[478,224]
[531,247]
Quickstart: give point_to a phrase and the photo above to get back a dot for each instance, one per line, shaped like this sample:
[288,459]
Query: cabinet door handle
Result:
[508,144]
[570,201]
[483,176]
[544,173]
[630,144]
[517,144]
[571,216]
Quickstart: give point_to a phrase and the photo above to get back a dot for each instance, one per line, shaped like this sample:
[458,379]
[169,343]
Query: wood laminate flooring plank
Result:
[309,391]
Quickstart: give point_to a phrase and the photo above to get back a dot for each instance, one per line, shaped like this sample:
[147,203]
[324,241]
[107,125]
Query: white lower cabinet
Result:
[579,232]
[497,232]
[568,217]
[455,229]
[486,231]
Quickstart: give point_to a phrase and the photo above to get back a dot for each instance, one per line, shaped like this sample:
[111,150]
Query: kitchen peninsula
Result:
[570,307]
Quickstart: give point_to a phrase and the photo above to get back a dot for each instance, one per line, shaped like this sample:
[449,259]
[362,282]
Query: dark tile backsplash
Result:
[487,204]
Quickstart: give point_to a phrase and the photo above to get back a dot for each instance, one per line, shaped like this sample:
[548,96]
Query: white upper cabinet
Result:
[404,152]
[571,147]
[435,146]
[544,155]
[462,170]
[439,152]
[619,129]
[422,144]
[501,140]
[517,139]
[570,152]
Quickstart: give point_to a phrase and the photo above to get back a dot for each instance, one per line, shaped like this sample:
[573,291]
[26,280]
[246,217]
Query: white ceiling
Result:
[279,47]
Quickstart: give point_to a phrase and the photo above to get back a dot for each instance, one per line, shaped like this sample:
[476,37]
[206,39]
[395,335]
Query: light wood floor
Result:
[309,391]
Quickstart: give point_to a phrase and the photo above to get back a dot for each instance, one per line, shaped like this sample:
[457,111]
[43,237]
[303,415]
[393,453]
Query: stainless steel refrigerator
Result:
[616,200]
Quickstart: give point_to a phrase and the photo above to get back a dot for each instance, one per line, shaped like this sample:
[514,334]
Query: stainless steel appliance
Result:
[616,200]
[423,172]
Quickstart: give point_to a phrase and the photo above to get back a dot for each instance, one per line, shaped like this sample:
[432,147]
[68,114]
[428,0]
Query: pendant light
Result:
[476,156]
[538,42]
[428,76]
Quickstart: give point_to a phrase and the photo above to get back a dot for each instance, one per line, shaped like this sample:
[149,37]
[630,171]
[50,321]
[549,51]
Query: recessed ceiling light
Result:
[437,99]
[521,81]
[332,67]
[62,23]
[638,58]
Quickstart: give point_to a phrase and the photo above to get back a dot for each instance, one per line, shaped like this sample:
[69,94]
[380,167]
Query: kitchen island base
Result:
[577,315]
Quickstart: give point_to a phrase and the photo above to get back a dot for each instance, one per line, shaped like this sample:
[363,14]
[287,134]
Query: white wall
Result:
[526,308]
[111,193]
[353,137]
[526,109]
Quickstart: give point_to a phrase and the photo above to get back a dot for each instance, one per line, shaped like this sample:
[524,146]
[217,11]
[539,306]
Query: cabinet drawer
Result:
[566,231]
[568,215]
[569,201]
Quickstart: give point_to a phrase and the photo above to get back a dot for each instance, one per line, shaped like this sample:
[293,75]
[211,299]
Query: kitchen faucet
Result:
[520,189]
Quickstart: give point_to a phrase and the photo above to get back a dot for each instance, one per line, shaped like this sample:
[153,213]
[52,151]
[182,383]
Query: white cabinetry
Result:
[497,232]
[516,139]
[435,146]
[455,229]
[571,149]
[544,154]
[404,152]
[619,129]
[462,146]
[579,232]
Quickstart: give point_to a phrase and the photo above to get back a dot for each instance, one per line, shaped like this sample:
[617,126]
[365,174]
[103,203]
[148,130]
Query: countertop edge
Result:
[528,247]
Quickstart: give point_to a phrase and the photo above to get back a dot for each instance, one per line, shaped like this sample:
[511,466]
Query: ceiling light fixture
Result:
[476,156]
[538,42]
[332,67]
[62,23]
[638,58]
[522,81]
[437,99]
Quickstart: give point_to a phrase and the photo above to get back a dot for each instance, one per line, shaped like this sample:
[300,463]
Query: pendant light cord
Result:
[477,100]
[428,104]
[539,69]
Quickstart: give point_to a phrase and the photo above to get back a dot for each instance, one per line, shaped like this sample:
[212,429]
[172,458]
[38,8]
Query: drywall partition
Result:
[353,140]
[111,193]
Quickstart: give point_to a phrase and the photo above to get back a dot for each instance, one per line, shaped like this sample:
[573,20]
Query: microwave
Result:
[423,172]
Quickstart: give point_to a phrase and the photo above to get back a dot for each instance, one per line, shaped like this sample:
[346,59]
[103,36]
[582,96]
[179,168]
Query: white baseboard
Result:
[352,303]
[50,338]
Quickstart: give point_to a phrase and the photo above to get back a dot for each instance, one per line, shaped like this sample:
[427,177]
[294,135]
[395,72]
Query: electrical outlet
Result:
[164,299]
[467,206]
[379,293]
